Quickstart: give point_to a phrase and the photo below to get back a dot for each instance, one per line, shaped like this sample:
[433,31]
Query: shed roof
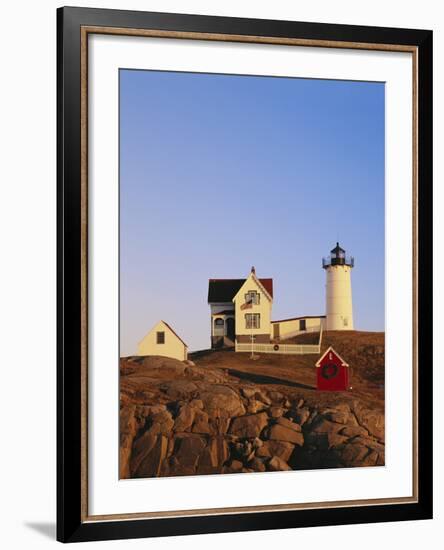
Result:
[174,332]
[224,290]
[169,327]
[319,361]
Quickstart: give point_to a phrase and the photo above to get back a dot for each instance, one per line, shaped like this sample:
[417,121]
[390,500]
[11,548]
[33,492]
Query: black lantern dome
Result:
[338,257]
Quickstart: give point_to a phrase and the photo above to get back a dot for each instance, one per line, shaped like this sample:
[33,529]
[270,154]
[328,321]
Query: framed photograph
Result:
[244,274]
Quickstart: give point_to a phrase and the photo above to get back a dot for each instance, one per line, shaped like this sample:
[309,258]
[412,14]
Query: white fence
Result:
[289,349]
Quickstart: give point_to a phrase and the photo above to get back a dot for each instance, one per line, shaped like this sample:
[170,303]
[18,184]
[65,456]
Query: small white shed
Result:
[162,340]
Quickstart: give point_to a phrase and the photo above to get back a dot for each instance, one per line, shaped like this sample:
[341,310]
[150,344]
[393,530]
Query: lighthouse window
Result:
[345,321]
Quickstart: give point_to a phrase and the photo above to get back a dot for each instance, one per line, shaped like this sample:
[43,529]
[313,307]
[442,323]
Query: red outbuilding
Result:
[332,372]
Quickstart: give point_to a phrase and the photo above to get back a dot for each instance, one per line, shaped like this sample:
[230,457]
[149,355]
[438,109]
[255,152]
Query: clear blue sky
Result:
[222,172]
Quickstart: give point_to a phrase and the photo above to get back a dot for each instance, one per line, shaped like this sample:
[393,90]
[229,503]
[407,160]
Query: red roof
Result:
[336,355]
[268,285]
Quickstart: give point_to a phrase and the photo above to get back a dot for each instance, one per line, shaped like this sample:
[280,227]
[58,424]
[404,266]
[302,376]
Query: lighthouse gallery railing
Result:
[345,260]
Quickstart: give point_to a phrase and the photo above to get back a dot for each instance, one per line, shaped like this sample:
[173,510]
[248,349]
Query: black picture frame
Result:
[71,525]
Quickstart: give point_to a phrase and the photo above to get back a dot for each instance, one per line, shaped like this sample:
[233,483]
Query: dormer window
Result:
[252,297]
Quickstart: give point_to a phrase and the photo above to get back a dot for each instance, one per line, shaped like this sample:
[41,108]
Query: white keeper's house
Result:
[241,308]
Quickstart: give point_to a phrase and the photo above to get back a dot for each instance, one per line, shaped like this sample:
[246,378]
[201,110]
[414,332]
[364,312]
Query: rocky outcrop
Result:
[180,419]
[249,426]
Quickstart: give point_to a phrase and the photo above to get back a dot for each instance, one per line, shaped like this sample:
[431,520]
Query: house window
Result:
[302,324]
[219,322]
[253,320]
[160,338]
[252,297]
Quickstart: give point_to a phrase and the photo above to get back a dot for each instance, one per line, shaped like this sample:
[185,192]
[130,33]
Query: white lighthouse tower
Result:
[339,308]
